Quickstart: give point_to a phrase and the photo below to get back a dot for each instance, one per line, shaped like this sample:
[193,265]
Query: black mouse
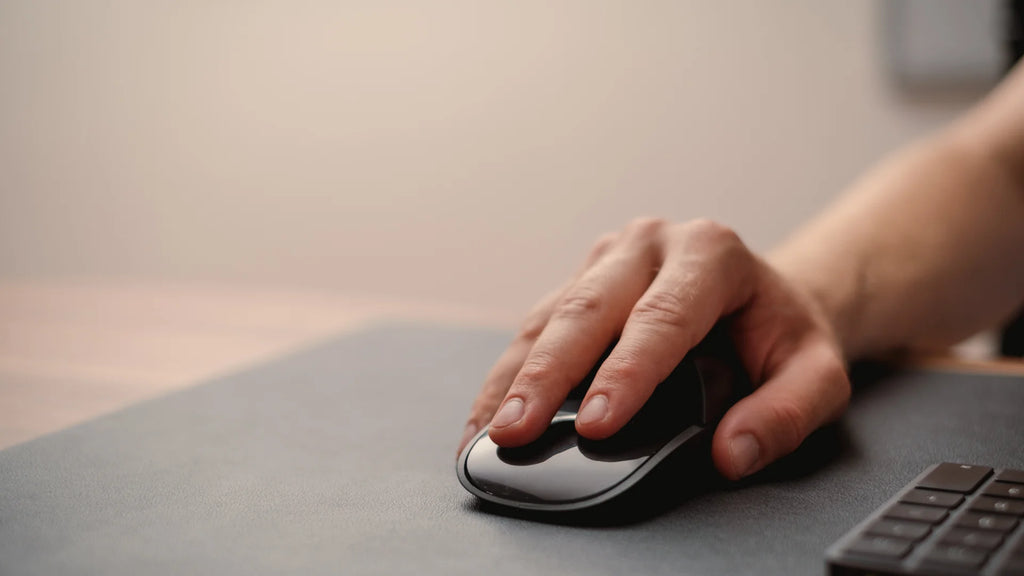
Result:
[564,472]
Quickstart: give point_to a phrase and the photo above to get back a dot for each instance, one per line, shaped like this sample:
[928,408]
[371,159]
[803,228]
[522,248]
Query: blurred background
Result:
[456,151]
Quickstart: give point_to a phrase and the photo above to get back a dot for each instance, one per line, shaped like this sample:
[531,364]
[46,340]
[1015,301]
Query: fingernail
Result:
[594,410]
[510,413]
[467,435]
[744,452]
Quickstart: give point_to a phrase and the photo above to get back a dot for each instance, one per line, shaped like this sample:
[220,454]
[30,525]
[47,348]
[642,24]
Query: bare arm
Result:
[929,247]
[926,249]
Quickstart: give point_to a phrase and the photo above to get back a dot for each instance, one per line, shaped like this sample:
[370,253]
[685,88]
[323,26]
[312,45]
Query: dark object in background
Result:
[943,48]
[1012,342]
[1014,31]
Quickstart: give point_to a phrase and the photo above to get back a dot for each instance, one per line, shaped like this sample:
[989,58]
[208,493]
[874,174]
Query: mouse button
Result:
[571,405]
[627,444]
[565,475]
[674,405]
[580,390]
[558,437]
[575,396]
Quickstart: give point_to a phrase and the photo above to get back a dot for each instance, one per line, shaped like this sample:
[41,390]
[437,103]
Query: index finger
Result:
[706,275]
[511,361]
[582,325]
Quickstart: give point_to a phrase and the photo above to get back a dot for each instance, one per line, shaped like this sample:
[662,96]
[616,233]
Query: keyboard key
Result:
[998,506]
[955,477]
[880,546]
[913,531]
[932,498]
[916,513]
[947,557]
[1012,476]
[985,539]
[957,519]
[1004,490]
[987,522]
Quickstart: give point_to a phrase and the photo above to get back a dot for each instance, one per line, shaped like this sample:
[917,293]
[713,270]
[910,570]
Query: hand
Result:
[659,288]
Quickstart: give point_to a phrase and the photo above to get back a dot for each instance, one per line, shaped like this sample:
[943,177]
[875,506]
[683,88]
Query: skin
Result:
[926,249]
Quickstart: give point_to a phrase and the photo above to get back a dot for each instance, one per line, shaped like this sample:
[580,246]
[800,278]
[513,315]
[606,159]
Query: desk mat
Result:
[340,460]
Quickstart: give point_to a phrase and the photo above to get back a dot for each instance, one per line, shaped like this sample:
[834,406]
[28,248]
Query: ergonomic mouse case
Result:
[561,471]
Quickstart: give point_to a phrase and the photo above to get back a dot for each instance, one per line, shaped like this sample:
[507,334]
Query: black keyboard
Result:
[953,519]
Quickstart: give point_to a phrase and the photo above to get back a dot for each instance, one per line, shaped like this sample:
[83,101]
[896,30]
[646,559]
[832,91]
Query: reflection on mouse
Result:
[561,471]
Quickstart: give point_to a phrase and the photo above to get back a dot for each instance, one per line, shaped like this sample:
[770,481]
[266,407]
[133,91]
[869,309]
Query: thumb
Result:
[807,390]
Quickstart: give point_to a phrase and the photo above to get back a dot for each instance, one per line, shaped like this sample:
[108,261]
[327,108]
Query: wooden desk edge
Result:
[995,366]
[87,348]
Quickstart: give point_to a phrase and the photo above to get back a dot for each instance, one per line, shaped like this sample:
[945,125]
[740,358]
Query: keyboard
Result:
[953,519]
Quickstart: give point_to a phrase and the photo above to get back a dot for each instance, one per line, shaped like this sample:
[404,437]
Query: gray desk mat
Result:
[339,460]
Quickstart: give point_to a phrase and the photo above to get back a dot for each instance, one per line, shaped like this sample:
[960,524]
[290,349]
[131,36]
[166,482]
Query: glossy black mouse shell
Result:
[563,472]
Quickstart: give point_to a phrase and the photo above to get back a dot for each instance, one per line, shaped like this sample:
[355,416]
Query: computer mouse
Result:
[562,471]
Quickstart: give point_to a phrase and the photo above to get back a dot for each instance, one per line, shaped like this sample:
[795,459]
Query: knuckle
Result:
[718,242]
[663,309]
[601,247]
[646,228]
[538,368]
[662,304]
[711,231]
[621,372]
[580,301]
[604,242]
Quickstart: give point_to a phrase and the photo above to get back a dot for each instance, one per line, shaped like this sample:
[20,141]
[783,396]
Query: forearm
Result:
[926,249]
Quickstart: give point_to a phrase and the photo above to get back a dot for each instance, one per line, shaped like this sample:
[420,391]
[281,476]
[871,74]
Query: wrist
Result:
[834,296]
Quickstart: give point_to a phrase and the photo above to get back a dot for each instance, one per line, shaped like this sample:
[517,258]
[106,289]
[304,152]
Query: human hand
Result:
[659,288]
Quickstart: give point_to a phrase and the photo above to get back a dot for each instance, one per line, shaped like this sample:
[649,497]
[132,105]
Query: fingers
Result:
[500,377]
[706,274]
[505,369]
[582,325]
[809,389]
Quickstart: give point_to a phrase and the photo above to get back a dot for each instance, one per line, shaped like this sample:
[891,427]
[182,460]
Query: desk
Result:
[72,350]
[337,458]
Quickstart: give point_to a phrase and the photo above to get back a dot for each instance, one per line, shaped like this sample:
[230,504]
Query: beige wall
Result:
[467,151]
